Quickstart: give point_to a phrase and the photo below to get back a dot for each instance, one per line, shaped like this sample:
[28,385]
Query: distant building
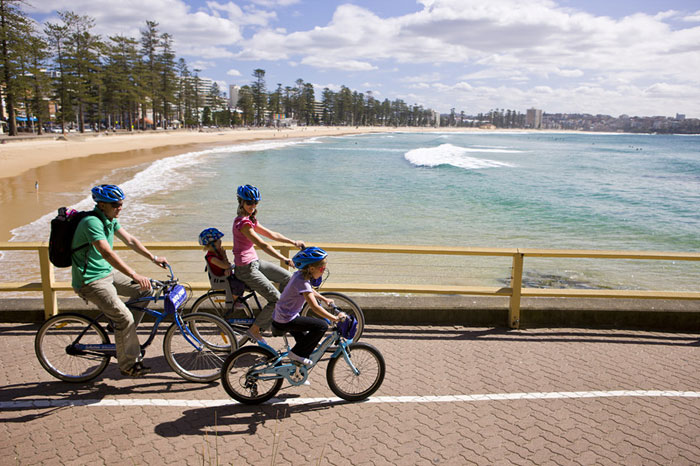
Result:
[533,118]
[233,92]
[436,119]
[680,116]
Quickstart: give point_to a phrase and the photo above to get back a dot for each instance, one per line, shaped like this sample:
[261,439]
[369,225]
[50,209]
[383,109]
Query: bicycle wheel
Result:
[344,304]
[54,348]
[243,387]
[355,387]
[198,355]
[214,302]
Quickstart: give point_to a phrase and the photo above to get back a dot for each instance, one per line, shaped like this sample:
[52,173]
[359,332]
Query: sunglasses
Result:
[250,202]
[116,205]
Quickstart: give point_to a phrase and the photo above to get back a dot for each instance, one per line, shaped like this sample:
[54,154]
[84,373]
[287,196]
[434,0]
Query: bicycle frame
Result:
[296,374]
[111,348]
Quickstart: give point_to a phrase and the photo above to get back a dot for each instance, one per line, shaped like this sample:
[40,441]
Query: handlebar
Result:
[159,284]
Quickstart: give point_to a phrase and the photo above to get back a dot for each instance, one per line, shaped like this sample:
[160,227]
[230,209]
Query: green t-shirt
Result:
[90,229]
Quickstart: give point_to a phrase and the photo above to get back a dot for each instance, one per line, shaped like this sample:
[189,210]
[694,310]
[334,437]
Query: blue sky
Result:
[573,56]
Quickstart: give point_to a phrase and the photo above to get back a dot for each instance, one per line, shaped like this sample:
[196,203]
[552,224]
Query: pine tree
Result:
[15,29]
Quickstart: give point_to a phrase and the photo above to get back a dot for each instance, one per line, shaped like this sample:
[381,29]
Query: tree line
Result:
[342,108]
[116,81]
[113,81]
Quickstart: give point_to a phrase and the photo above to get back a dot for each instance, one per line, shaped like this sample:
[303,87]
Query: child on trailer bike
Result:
[258,275]
[307,331]
[219,268]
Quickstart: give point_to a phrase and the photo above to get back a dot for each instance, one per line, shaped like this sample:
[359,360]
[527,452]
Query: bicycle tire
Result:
[55,337]
[214,302]
[351,387]
[202,364]
[242,388]
[346,305]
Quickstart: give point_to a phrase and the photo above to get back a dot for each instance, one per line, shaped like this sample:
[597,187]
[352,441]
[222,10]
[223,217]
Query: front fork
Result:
[343,348]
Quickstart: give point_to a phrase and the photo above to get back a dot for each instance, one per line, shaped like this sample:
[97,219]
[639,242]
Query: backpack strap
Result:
[89,214]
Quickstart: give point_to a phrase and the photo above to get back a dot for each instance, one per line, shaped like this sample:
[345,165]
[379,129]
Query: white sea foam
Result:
[447,154]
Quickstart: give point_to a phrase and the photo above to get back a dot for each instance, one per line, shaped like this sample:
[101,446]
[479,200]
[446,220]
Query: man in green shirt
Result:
[96,281]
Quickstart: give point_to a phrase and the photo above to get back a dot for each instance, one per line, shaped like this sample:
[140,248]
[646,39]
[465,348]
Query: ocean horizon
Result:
[475,189]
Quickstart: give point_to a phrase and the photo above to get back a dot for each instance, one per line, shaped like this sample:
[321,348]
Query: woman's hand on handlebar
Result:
[300,244]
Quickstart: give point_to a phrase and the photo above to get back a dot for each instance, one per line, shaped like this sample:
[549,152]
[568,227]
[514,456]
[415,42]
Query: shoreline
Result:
[72,165]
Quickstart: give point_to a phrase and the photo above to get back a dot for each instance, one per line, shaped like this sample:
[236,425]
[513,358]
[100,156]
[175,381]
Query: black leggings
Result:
[307,332]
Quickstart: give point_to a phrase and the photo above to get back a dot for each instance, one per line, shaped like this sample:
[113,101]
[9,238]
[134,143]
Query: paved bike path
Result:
[452,395]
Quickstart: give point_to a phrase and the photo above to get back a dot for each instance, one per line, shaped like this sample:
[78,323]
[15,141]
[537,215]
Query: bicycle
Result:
[241,317]
[76,348]
[254,374]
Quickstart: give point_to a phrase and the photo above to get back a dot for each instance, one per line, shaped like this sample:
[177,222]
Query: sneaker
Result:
[252,337]
[299,359]
[137,370]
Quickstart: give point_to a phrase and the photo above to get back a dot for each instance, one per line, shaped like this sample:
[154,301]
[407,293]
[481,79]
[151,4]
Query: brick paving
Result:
[45,421]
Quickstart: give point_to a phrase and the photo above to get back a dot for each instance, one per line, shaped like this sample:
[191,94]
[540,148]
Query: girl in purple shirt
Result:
[307,331]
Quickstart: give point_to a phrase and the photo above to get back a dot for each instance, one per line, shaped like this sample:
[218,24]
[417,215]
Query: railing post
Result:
[48,281]
[516,284]
[284,250]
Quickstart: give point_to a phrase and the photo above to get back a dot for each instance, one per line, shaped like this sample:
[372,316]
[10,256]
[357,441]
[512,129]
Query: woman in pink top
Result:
[256,274]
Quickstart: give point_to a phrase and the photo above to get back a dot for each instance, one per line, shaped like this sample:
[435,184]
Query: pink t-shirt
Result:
[243,248]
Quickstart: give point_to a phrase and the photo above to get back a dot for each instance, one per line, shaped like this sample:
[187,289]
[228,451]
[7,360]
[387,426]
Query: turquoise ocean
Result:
[475,189]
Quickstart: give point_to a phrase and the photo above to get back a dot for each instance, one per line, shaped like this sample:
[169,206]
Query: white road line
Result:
[57,403]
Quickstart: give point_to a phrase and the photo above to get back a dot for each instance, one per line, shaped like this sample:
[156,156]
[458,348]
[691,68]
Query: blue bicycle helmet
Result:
[107,193]
[248,193]
[208,236]
[308,256]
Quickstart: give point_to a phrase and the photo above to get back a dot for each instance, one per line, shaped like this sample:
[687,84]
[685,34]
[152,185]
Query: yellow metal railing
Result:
[49,286]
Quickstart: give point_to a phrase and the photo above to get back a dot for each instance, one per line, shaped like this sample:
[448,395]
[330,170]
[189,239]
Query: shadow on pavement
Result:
[534,335]
[208,421]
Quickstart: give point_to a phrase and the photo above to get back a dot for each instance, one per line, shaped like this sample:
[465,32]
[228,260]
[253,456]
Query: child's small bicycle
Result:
[254,374]
[76,348]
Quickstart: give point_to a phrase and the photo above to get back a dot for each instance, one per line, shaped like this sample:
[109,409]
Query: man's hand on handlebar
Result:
[143,282]
[160,261]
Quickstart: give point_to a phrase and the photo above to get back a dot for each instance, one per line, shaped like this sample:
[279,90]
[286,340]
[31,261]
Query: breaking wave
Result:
[448,154]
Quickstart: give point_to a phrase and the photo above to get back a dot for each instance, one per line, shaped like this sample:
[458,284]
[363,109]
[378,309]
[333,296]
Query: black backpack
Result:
[63,228]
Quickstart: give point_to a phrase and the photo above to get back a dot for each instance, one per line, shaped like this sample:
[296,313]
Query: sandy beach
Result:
[59,165]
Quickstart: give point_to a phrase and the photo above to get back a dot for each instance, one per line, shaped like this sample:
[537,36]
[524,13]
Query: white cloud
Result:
[233,72]
[201,65]
[203,33]
[693,18]
[275,3]
[337,63]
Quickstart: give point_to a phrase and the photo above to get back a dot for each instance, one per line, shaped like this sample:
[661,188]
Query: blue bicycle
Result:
[76,348]
[254,374]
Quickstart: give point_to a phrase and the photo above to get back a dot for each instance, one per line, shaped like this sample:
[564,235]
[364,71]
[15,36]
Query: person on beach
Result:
[219,268]
[95,280]
[307,331]
[256,274]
